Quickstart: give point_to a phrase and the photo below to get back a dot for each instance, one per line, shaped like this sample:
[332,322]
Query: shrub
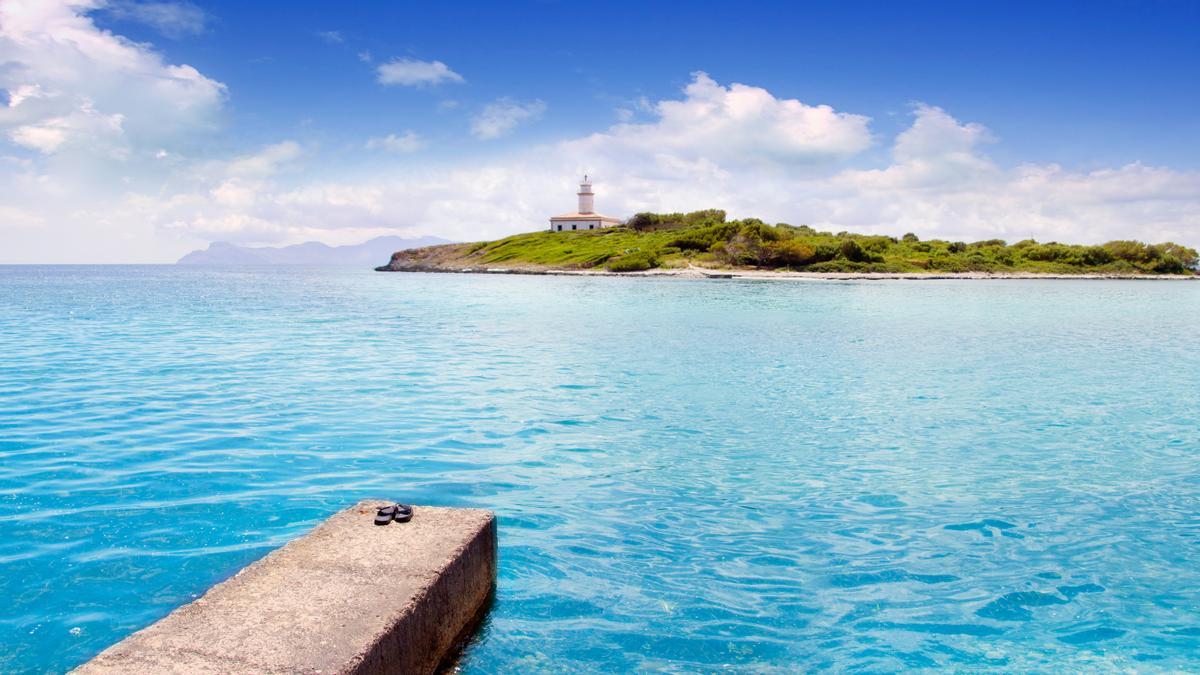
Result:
[790,253]
[1186,256]
[642,221]
[887,267]
[978,261]
[646,222]
[1096,255]
[742,249]
[1003,256]
[836,266]
[632,262]
[850,250]
[704,217]
[876,244]
[910,237]
[1133,251]
[1047,252]
[796,230]
[754,229]
[826,252]
[1169,264]
[703,238]
[948,264]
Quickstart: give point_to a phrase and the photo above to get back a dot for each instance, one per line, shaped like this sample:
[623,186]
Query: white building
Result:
[585,218]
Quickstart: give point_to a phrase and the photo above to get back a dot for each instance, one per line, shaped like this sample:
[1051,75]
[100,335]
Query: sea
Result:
[767,476]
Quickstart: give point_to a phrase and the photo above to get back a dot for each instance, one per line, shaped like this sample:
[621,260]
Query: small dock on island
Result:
[348,597]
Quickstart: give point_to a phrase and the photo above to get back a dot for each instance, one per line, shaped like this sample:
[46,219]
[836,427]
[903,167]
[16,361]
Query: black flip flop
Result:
[403,514]
[386,513]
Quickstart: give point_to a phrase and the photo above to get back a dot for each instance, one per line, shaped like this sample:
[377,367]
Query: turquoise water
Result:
[690,475]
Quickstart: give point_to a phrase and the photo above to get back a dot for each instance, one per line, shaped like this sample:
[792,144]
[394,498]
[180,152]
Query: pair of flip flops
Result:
[401,513]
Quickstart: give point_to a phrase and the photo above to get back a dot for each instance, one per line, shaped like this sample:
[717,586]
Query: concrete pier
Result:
[349,597]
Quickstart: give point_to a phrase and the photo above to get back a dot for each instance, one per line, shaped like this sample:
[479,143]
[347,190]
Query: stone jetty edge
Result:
[348,597]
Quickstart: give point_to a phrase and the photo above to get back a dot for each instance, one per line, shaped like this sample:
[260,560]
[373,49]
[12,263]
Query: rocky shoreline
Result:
[759,274]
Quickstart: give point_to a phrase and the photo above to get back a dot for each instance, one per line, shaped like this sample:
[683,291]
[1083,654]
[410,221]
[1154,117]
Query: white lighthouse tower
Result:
[585,195]
[586,217]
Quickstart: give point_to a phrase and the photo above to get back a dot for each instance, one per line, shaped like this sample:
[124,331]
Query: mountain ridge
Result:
[308,253]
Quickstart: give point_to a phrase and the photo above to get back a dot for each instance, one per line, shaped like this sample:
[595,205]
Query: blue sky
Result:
[1064,114]
[1110,82]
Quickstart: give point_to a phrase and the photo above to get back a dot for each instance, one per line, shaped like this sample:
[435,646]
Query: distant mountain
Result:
[367,254]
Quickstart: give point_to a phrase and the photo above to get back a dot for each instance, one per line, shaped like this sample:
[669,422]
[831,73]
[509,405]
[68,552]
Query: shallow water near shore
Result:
[691,475]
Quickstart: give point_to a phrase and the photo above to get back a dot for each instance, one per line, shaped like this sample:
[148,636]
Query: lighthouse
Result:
[585,217]
[585,195]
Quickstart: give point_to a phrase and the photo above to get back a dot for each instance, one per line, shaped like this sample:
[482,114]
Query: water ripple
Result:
[690,477]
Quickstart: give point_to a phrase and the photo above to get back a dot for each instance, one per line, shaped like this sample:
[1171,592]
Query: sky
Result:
[134,131]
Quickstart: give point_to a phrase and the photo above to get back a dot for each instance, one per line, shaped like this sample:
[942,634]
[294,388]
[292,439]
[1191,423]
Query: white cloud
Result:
[414,73]
[235,193]
[408,141]
[937,135]
[365,56]
[741,124]
[706,150]
[68,80]
[502,116]
[87,110]
[21,93]
[265,162]
[50,134]
[333,37]
[172,19]
[46,136]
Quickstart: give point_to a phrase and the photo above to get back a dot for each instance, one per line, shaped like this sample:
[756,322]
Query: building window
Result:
[572,226]
[591,227]
[560,228]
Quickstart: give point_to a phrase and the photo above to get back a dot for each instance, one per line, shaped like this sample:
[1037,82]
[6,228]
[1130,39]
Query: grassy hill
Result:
[707,239]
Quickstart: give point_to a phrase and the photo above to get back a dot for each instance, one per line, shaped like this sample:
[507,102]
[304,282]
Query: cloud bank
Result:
[104,157]
[87,116]
[741,148]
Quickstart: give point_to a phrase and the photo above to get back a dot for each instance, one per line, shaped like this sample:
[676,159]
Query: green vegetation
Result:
[706,238]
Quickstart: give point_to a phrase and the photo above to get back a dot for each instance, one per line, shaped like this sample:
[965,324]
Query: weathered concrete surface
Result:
[349,597]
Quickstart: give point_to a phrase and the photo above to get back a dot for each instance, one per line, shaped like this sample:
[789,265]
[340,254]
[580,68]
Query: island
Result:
[706,243]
